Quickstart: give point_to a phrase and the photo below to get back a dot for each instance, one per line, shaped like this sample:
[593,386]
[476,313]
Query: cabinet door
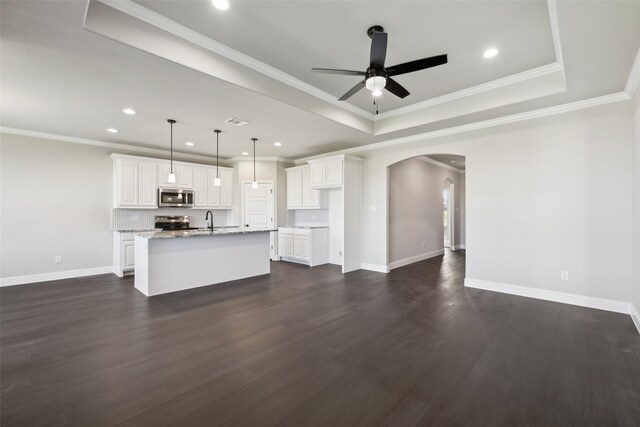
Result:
[310,198]
[200,187]
[164,169]
[213,192]
[147,184]
[128,175]
[294,189]
[128,255]
[282,243]
[184,176]
[226,189]
[333,171]
[318,174]
[301,247]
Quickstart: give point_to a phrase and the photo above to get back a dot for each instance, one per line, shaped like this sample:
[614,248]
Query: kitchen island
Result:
[169,261]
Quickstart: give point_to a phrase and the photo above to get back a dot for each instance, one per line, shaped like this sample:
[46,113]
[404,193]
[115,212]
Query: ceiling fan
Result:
[377,76]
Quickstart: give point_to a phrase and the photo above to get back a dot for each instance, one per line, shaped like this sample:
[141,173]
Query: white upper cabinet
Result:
[310,198]
[184,176]
[135,184]
[294,188]
[299,192]
[326,173]
[200,187]
[226,189]
[209,196]
[137,179]
[148,184]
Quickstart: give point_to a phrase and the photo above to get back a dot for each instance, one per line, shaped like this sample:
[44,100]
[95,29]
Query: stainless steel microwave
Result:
[175,198]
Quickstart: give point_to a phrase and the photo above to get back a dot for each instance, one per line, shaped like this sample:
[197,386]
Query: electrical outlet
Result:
[564,275]
[424,244]
[373,208]
[340,254]
[58,259]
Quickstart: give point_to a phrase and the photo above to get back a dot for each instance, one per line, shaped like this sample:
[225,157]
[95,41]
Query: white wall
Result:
[636,202]
[56,200]
[416,207]
[542,196]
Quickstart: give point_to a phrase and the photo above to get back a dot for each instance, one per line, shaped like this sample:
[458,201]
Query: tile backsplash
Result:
[140,219]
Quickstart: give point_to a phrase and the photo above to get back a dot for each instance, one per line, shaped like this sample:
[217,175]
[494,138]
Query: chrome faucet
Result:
[206,218]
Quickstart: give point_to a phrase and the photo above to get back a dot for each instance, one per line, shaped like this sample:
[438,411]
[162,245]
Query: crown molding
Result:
[634,77]
[150,17]
[439,164]
[529,115]
[260,159]
[552,7]
[474,90]
[105,144]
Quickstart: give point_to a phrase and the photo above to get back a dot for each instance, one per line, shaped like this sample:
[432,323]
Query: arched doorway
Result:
[425,207]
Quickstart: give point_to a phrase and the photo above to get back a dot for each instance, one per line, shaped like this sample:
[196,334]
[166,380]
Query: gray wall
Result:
[415,208]
[636,201]
[56,200]
[543,195]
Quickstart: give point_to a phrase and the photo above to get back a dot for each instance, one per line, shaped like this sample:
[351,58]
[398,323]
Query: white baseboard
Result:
[58,275]
[411,260]
[374,267]
[461,246]
[566,298]
[635,316]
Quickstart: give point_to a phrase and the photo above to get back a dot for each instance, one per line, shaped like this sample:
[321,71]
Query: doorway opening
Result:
[449,214]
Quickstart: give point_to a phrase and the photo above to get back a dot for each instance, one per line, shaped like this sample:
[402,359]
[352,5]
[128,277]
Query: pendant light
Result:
[216,181]
[254,184]
[172,176]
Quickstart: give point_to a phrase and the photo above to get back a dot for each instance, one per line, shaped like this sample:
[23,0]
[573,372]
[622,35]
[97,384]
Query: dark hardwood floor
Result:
[304,347]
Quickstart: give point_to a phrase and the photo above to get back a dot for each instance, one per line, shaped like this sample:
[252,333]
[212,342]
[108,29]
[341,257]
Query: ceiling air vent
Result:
[237,122]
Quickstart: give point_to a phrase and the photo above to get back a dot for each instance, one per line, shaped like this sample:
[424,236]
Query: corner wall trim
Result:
[543,294]
[58,275]
[635,316]
[411,260]
[374,267]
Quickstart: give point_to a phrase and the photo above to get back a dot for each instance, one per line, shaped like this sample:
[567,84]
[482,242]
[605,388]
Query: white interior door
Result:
[258,206]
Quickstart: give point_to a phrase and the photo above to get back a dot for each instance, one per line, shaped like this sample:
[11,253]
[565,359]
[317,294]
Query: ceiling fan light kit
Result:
[378,77]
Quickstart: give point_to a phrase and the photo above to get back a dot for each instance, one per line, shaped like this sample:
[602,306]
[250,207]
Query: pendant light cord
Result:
[254,158]
[217,152]
[171,122]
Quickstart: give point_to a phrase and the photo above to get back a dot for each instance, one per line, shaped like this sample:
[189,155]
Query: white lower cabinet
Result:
[124,250]
[304,245]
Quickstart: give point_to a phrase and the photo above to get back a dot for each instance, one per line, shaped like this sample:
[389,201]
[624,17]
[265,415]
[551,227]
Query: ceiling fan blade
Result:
[352,91]
[342,72]
[419,64]
[378,49]
[395,88]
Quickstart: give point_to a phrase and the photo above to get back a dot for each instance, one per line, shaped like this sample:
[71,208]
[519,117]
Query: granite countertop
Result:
[135,230]
[226,231]
[306,227]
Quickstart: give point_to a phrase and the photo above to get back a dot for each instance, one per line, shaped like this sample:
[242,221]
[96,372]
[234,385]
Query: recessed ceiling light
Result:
[112,130]
[244,153]
[189,143]
[277,144]
[129,111]
[490,53]
[221,4]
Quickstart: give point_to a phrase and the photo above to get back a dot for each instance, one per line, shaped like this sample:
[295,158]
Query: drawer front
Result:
[285,231]
[301,232]
[127,237]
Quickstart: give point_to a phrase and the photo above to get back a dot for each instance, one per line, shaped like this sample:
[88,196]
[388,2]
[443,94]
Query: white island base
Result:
[173,264]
